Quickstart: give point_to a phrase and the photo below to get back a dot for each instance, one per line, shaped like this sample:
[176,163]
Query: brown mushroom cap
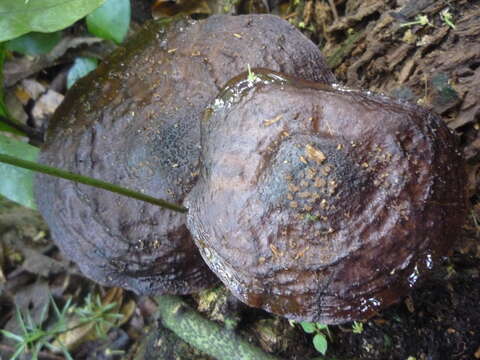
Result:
[320,203]
[134,121]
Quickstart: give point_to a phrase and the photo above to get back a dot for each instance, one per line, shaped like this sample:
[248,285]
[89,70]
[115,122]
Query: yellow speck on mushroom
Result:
[293,188]
[307,208]
[310,173]
[326,169]
[272,121]
[314,154]
[332,187]
[301,253]
[319,182]
[275,251]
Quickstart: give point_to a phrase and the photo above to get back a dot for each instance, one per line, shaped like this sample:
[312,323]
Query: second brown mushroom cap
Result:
[320,203]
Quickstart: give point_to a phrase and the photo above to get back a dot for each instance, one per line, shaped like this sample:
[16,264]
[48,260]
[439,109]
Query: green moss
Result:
[343,50]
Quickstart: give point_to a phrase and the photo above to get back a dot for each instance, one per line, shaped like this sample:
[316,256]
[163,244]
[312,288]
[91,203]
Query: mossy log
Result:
[205,335]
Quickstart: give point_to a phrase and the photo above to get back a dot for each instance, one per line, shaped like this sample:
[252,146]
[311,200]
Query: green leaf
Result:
[110,21]
[11,335]
[36,351]
[320,343]
[55,307]
[29,322]
[43,313]
[81,67]
[321,326]
[18,352]
[357,327]
[66,307]
[34,43]
[66,353]
[17,184]
[7,128]
[18,17]
[308,327]
[19,318]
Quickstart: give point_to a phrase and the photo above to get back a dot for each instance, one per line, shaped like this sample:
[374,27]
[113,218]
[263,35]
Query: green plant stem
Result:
[41,355]
[44,169]
[205,335]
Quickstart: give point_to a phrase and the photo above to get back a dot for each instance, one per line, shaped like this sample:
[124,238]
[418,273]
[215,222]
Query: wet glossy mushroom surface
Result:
[134,122]
[320,203]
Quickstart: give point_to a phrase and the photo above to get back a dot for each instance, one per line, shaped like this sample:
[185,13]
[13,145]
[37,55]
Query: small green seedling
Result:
[34,337]
[321,332]
[37,336]
[421,20]
[251,75]
[310,217]
[103,316]
[357,327]
[447,18]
